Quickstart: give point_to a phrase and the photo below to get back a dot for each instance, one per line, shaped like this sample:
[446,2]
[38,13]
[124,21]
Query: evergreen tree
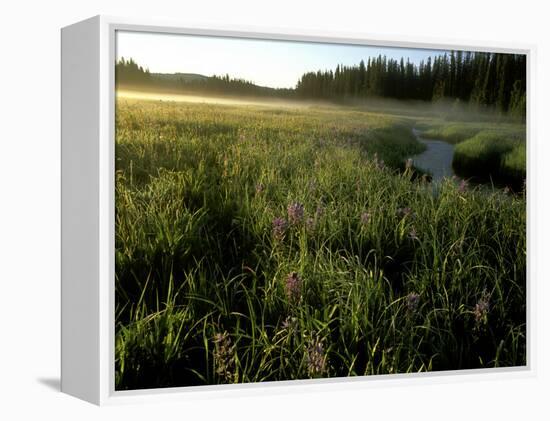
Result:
[488,79]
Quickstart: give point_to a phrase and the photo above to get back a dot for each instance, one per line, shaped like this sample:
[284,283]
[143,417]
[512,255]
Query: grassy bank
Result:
[493,156]
[485,151]
[257,244]
[452,133]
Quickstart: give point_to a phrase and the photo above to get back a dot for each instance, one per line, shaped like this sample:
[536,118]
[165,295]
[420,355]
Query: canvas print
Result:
[297,210]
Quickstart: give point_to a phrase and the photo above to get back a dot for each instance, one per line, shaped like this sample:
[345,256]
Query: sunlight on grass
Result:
[259,244]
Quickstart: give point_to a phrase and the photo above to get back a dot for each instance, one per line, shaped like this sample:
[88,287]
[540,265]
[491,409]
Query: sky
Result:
[277,64]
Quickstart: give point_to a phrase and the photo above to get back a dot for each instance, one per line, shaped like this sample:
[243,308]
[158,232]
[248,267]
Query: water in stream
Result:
[437,158]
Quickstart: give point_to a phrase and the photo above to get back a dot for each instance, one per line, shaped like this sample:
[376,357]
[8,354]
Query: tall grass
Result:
[255,244]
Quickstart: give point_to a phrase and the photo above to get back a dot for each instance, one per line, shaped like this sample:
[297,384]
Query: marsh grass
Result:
[485,151]
[492,155]
[372,272]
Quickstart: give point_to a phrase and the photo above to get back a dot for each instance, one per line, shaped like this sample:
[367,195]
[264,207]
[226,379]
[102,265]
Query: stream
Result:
[437,158]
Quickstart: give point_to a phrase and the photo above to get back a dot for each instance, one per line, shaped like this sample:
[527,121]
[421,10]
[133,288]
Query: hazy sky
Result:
[278,64]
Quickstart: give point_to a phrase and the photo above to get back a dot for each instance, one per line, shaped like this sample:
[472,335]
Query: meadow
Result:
[261,243]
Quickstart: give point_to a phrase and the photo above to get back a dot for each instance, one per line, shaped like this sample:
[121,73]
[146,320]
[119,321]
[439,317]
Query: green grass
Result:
[392,275]
[484,150]
[452,133]
[514,162]
[492,154]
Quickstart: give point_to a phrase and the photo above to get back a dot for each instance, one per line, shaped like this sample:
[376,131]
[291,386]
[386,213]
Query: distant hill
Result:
[180,77]
[130,75]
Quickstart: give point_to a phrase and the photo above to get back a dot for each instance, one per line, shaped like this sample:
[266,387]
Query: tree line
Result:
[128,73]
[492,80]
[487,79]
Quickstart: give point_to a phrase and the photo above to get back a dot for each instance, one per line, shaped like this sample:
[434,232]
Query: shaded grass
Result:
[200,275]
[492,155]
[484,151]
[514,163]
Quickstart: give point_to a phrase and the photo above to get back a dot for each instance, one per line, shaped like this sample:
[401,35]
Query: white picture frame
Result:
[88,99]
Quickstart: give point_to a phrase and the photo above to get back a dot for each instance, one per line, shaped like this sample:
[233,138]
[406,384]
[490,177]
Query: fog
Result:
[451,110]
[223,100]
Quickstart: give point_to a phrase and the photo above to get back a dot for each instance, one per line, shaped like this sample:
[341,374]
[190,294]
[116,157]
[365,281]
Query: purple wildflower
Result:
[279,227]
[365,218]
[224,356]
[295,212]
[293,287]
[462,186]
[404,212]
[289,323]
[319,211]
[310,224]
[412,300]
[481,309]
[316,359]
